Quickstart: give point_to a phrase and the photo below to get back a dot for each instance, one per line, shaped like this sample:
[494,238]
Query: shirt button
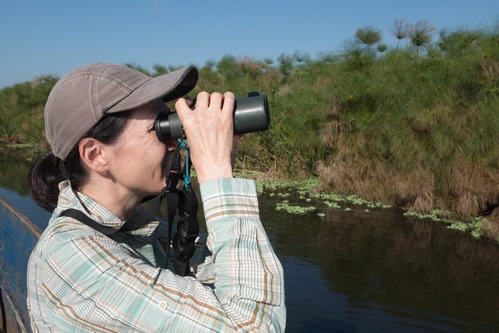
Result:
[163,305]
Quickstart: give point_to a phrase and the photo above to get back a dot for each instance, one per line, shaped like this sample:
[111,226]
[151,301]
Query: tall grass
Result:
[424,129]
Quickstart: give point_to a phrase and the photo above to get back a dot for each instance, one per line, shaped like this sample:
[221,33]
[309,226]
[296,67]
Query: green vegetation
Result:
[21,113]
[412,126]
[305,196]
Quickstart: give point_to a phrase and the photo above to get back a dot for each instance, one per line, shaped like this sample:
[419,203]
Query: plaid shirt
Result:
[82,281]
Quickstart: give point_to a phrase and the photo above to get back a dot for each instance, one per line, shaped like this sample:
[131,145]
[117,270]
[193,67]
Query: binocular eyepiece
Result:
[251,114]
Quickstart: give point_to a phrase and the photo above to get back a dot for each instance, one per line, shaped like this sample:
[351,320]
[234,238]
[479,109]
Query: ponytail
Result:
[44,176]
[48,171]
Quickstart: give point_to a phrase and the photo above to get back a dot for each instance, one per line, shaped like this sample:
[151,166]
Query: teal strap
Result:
[187,178]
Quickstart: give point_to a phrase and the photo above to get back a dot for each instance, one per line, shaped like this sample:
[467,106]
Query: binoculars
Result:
[251,114]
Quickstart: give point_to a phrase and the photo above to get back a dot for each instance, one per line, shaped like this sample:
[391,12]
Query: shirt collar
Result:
[100,214]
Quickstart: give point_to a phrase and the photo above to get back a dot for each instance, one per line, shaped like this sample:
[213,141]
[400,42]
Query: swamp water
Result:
[348,268]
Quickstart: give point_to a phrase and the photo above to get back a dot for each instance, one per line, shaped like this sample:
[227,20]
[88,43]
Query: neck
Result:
[120,201]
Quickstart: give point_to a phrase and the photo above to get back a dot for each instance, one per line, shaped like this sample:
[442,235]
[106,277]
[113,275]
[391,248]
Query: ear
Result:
[93,155]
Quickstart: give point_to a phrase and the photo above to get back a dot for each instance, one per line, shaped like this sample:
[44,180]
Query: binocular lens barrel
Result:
[251,114]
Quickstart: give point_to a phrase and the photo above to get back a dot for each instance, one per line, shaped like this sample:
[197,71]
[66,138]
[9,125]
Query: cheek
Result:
[144,155]
[154,153]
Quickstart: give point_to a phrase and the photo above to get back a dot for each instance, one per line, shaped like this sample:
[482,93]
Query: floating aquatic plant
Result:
[294,209]
[332,204]
[473,225]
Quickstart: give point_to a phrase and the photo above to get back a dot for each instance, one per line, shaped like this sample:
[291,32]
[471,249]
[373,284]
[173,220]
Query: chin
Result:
[153,191]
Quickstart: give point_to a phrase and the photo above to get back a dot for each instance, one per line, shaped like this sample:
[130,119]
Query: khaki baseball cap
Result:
[84,95]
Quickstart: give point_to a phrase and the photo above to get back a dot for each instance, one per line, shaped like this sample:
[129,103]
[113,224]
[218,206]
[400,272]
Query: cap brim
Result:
[167,86]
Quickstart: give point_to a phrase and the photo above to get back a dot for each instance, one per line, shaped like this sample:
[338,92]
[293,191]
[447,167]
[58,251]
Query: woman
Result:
[105,159]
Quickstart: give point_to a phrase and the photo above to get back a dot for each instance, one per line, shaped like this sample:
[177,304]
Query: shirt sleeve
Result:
[94,284]
[249,277]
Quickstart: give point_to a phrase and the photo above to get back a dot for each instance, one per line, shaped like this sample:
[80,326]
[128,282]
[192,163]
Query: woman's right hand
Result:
[209,129]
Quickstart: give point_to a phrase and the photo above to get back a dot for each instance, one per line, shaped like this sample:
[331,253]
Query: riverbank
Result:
[295,196]
[308,197]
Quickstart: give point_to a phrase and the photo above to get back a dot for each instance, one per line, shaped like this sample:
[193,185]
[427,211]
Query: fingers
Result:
[181,105]
[209,129]
[205,102]
[215,102]
[190,101]
[229,101]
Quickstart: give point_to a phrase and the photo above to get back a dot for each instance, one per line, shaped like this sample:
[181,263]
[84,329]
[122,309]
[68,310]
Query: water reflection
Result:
[13,170]
[357,271]
[378,271]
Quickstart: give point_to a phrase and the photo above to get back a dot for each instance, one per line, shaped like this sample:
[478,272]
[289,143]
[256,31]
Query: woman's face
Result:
[137,161]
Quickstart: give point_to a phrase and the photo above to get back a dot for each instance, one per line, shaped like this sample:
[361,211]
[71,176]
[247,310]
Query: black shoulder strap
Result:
[80,216]
[142,216]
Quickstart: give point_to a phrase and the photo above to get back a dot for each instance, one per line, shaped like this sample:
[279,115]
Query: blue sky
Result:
[54,36]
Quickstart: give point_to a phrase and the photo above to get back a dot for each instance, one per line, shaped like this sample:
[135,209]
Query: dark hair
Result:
[48,170]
